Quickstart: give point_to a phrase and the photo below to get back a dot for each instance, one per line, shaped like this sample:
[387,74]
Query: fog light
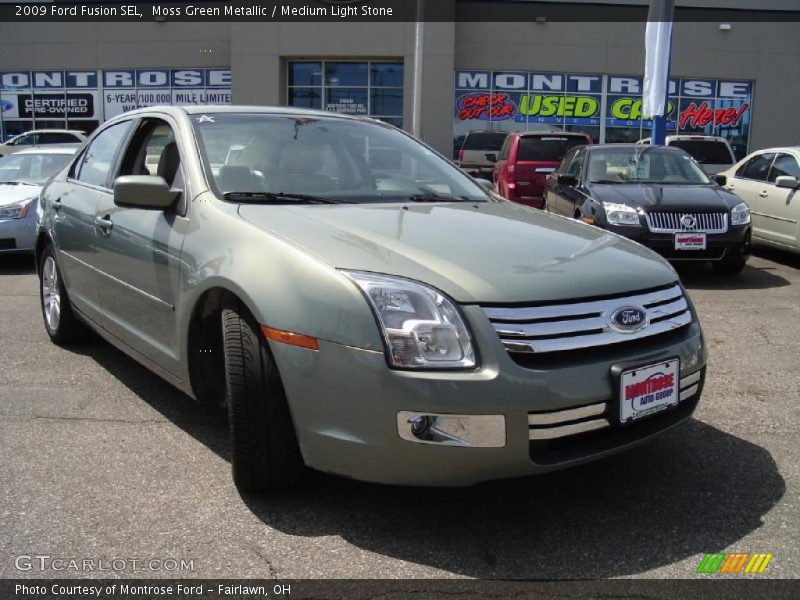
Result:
[478,431]
[420,425]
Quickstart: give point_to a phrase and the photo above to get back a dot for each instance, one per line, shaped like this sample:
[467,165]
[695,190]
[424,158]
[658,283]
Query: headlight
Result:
[621,214]
[423,329]
[18,210]
[740,215]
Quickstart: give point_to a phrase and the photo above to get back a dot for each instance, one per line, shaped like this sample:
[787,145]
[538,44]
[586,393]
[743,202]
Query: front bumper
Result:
[18,235]
[345,404]
[718,245]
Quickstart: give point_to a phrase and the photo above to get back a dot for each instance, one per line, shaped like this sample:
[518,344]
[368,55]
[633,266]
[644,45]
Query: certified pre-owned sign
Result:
[47,105]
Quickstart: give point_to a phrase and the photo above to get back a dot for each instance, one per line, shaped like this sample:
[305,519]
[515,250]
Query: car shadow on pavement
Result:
[757,276]
[17,264]
[695,489]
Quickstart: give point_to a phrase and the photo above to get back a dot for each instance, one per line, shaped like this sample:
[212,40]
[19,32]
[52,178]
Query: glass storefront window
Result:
[349,87]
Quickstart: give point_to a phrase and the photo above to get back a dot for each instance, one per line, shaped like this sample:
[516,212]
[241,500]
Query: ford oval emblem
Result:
[628,319]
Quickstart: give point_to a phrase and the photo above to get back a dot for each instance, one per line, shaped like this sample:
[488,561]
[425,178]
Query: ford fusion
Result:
[390,321]
[658,196]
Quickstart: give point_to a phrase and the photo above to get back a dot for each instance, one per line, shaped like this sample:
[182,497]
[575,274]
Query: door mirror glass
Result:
[568,180]
[787,181]
[721,180]
[149,192]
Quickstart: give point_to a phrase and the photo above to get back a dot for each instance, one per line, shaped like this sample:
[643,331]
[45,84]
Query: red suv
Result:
[525,161]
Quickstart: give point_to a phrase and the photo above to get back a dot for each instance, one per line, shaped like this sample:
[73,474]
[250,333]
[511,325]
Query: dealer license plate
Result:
[690,241]
[648,390]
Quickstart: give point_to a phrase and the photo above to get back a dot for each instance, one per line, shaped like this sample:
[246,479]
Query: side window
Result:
[98,159]
[784,165]
[504,151]
[756,168]
[576,166]
[153,151]
[566,162]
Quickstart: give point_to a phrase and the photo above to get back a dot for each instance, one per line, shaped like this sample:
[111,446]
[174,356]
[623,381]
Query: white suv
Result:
[713,153]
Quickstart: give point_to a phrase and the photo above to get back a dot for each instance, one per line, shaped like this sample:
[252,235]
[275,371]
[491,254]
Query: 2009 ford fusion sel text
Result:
[359,304]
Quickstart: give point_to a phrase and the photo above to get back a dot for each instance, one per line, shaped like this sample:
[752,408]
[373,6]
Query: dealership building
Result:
[731,77]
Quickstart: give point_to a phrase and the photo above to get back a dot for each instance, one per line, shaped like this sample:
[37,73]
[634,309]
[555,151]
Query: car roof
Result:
[699,138]
[54,131]
[552,133]
[776,149]
[50,149]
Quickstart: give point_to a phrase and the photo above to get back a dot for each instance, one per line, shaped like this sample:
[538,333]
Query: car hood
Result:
[476,253]
[11,194]
[697,198]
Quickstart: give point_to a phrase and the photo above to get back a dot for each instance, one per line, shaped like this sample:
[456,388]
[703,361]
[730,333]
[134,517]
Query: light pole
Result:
[419,44]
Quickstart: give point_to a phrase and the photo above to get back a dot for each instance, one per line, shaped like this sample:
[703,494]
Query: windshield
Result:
[547,148]
[706,152]
[263,155]
[31,168]
[484,141]
[643,164]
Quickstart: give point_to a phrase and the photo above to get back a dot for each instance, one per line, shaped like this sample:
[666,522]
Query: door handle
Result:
[57,204]
[763,194]
[104,224]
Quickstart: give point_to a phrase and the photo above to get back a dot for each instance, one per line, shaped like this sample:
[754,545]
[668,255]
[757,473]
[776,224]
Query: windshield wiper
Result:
[16,183]
[614,181]
[278,197]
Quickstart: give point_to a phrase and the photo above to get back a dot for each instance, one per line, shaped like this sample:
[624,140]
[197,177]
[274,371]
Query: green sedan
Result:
[359,304]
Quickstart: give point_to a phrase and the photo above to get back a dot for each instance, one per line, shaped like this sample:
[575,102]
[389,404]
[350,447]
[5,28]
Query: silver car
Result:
[42,137]
[22,176]
[393,324]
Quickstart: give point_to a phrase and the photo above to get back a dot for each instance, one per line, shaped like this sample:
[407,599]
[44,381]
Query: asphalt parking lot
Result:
[101,459]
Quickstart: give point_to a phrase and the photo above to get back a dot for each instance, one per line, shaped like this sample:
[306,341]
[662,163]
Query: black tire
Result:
[265,453]
[733,262]
[60,321]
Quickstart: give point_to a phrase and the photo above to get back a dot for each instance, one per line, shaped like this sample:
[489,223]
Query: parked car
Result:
[42,137]
[479,151]
[525,161]
[769,180]
[713,153]
[406,327]
[22,176]
[658,196]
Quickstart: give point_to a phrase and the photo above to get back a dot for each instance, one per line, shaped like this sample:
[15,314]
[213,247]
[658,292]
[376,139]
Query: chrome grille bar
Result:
[562,327]
[671,222]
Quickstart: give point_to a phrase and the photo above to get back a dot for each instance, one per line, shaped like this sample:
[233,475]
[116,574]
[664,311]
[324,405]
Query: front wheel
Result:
[60,321]
[265,452]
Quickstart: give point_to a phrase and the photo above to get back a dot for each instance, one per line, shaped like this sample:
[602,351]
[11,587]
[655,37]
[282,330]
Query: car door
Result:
[779,208]
[138,250]
[499,173]
[73,203]
[750,184]
[565,198]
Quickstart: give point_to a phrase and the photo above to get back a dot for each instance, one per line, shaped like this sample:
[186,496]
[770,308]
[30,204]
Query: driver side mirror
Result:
[567,180]
[149,192]
[787,181]
[721,180]
[491,157]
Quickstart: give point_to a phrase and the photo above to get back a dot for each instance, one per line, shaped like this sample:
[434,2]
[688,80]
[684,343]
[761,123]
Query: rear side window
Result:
[98,160]
[491,142]
[706,152]
[784,165]
[757,167]
[541,148]
[504,151]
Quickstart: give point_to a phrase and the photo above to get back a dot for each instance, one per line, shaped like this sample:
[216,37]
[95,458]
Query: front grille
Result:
[673,222]
[572,434]
[580,325]
[8,244]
